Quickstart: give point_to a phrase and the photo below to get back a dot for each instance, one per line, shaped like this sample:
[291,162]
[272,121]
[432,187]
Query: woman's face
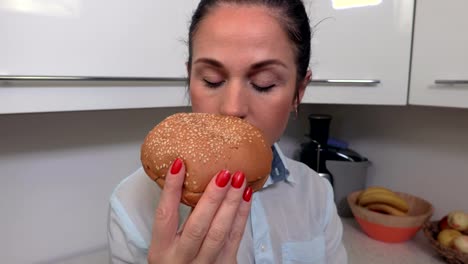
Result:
[243,65]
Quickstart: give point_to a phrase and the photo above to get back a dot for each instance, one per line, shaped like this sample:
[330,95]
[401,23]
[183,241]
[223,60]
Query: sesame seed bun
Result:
[207,143]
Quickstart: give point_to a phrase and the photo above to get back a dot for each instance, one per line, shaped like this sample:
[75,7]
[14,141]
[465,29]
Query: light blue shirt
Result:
[293,219]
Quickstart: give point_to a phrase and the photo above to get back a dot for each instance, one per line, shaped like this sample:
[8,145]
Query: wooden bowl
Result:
[389,228]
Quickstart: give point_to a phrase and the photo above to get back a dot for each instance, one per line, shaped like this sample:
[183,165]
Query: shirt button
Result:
[262,248]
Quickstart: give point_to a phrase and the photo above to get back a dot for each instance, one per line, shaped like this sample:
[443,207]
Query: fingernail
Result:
[238,179]
[222,178]
[247,194]
[176,166]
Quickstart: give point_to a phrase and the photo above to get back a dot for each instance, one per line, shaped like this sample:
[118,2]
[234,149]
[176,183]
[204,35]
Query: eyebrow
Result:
[255,66]
[265,63]
[211,62]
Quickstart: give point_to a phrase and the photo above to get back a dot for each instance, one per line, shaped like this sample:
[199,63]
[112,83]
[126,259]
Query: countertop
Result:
[363,249]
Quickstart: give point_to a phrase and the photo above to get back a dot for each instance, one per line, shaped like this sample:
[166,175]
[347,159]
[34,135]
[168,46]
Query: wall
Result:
[57,170]
[420,150]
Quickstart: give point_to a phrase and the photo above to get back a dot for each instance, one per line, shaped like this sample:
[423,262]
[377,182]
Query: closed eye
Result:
[213,84]
[263,88]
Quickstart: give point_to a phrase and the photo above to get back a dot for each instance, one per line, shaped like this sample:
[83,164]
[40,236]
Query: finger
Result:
[198,223]
[166,217]
[222,223]
[182,226]
[237,232]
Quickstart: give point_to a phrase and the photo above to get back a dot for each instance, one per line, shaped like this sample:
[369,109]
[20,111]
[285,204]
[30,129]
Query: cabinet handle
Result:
[89,78]
[160,79]
[451,82]
[345,82]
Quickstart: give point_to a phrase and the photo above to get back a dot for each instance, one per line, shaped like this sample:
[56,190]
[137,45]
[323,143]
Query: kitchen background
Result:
[58,169]
[64,147]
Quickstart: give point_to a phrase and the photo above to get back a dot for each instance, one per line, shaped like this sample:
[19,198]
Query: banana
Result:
[378,188]
[380,207]
[372,189]
[390,199]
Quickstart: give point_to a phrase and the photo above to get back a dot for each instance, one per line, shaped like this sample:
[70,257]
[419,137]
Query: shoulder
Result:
[317,190]
[137,195]
[132,205]
[137,183]
[308,178]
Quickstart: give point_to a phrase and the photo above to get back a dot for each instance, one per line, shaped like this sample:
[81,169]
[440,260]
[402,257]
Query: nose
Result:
[235,100]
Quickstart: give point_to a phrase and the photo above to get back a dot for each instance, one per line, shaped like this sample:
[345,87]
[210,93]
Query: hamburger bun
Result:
[207,143]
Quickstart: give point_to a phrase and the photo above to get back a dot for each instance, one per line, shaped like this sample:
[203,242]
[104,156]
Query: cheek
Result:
[274,118]
[195,100]
[200,101]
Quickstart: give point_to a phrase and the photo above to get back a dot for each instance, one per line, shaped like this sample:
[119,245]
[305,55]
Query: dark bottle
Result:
[315,152]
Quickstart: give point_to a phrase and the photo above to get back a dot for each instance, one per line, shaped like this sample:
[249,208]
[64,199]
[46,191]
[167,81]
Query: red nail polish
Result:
[176,166]
[238,179]
[222,178]
[247,194]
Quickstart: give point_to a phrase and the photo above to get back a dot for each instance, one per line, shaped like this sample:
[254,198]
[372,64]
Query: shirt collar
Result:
[279,168]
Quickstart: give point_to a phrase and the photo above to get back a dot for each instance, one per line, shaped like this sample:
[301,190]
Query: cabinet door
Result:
[88,38]
[358,45]
[439,75]
[94,38]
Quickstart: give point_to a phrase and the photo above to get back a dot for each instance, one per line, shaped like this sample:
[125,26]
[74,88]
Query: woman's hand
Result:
[214,229]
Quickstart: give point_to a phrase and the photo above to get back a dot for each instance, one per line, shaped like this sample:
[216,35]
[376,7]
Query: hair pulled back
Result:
[291,14]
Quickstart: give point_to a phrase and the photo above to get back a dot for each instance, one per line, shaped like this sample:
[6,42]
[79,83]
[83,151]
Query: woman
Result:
[247,59]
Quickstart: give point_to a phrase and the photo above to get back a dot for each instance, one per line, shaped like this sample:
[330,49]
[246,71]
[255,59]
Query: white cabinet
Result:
[95,38]
[124,38]
[87,38]
[440,58]
[361,43]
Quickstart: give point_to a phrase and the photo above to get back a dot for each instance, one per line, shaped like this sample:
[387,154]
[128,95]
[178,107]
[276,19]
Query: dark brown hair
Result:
[291,15]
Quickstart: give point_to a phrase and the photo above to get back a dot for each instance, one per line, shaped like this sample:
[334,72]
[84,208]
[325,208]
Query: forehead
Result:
[251,30]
